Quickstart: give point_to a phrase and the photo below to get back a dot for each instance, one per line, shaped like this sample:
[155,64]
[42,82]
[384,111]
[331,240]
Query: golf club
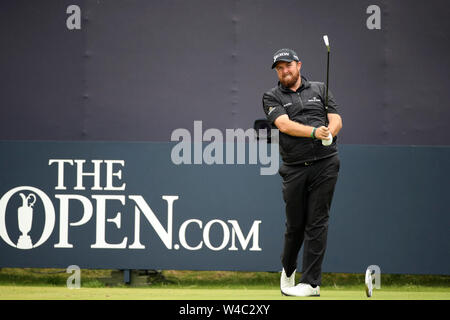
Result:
[327,44]
[328,141]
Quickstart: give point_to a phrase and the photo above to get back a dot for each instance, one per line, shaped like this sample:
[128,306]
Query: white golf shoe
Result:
[302,290]
[286,282]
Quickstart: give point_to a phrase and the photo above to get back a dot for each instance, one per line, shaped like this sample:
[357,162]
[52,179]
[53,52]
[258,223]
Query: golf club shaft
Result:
[328,72]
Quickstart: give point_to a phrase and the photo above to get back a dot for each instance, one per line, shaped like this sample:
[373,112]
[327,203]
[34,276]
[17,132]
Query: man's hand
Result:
[322,133]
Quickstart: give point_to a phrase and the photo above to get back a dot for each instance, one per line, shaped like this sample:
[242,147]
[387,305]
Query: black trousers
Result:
[308,191]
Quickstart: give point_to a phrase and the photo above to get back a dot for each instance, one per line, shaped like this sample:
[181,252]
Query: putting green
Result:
[57,293]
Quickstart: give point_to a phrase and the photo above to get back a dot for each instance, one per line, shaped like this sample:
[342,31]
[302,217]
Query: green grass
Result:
[195,293]
[220,279]
[211,285]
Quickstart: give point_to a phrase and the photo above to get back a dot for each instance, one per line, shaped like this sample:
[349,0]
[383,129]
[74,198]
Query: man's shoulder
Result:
[272,91]
[271,96]
[316,87]
[317,83]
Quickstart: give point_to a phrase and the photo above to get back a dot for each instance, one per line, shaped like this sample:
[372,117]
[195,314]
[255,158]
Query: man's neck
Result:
[297,84]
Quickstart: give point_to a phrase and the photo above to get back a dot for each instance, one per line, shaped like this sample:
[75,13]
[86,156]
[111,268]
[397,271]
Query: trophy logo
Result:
[25,218]
[24,213]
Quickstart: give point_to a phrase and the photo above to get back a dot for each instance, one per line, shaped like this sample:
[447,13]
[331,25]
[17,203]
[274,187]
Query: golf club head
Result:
[327,42]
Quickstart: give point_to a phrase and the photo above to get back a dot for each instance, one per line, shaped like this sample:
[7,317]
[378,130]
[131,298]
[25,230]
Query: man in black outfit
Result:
[307,141]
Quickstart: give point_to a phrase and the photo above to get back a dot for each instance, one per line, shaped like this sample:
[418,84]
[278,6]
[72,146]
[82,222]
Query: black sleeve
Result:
[272,108]
[332,105]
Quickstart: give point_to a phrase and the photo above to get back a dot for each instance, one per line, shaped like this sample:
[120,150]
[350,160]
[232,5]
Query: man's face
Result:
[288,72]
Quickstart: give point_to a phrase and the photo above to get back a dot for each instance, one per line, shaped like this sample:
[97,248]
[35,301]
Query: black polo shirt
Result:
[305,106]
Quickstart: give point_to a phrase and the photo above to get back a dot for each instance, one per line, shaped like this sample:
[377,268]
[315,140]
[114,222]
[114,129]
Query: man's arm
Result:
[292,128]
[334,123]
[334,119]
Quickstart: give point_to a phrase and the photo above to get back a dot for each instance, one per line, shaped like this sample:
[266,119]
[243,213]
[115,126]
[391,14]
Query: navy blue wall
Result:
[387,210]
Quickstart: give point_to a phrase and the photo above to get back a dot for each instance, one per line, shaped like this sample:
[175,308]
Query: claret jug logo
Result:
[25,216]
[21,206]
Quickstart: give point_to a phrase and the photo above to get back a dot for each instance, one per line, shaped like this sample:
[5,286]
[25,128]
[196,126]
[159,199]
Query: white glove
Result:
[328,141]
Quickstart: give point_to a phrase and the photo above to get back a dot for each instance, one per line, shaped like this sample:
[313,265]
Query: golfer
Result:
[309,171]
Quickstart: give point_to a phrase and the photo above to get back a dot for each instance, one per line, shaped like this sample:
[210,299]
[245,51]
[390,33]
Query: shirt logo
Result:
[271,109]
[314,100]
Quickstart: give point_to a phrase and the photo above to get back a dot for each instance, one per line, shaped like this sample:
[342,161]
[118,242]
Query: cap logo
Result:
[280,55]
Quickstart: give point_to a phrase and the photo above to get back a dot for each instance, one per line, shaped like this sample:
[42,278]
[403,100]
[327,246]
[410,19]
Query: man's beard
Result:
[287,83]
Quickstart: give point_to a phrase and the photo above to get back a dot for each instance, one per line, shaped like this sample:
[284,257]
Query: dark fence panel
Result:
[388,210]
[137,70]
